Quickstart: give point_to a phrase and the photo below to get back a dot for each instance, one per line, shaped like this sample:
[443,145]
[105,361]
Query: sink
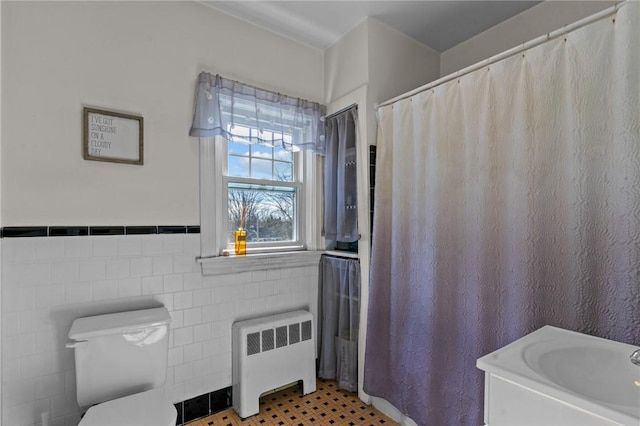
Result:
[555,376]
[595,371]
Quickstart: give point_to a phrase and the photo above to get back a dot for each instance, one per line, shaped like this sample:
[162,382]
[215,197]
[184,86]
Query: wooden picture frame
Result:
[112,136]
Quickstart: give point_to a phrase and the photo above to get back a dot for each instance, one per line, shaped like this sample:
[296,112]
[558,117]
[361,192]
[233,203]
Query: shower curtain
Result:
[339,320]
[505,200]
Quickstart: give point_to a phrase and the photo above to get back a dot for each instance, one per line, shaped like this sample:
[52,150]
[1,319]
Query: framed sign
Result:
[112,136]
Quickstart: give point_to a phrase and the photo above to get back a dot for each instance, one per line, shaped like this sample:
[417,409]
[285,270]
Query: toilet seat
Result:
[150,408]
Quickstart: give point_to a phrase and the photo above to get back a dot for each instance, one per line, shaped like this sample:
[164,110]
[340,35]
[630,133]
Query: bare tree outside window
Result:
[239,199]
[270,214]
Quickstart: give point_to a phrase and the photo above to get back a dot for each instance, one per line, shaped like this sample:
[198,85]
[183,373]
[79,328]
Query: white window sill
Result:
[222,265]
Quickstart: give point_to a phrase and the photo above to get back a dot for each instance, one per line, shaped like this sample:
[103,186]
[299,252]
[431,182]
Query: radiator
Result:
[270,352]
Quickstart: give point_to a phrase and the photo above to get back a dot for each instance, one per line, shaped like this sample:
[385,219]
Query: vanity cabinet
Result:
[558,377]
[509,404]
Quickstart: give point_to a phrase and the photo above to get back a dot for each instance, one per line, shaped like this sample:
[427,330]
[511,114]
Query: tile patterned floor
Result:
[327,406]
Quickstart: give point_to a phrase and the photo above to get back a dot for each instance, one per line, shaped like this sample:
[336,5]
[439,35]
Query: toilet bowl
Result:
[142,409]
[120,360]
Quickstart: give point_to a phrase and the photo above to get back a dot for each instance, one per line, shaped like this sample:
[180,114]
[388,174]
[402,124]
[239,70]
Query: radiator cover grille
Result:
[274,338]
[281,337]
[267,340]
[294,333]
[306,330]
[253,343]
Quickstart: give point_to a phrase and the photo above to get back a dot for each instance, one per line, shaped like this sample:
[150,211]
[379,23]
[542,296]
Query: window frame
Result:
[213,227]
[297,243]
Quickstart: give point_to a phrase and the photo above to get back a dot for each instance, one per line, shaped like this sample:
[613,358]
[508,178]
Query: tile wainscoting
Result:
[48,281]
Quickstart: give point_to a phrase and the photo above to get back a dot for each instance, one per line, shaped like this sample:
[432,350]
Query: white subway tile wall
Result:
[48,282]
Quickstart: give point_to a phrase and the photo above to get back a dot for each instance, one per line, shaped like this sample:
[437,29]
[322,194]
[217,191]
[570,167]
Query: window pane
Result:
[282,154]
[270,212]
[238,166]
[261,169]
[241,133]
[238,148]
[261,151]
[266,136]
[283,172]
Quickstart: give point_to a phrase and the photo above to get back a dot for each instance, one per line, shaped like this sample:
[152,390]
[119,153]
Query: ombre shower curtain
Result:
[505,200]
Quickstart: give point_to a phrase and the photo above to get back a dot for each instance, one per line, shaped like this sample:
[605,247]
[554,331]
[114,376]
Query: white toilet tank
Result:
[120,354]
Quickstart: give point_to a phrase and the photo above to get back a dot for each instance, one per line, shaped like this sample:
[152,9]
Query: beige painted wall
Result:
[137,57]
[397,63]
[540,19]
[388,62]
[346,64]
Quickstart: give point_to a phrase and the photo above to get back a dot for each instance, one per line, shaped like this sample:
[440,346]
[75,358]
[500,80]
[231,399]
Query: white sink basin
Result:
[586,372]
[598,372]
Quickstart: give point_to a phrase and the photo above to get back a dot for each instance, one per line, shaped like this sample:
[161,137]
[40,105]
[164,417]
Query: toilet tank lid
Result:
[121,322]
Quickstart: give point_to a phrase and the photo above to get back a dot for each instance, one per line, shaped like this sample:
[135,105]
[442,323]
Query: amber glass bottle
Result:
[241,242]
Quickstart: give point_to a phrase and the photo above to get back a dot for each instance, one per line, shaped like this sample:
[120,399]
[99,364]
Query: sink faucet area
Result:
[559,377]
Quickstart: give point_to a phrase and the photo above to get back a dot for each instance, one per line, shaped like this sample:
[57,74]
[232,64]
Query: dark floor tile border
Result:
[220,400]
[77,231]
[203,405]
[180,417]
[195,408]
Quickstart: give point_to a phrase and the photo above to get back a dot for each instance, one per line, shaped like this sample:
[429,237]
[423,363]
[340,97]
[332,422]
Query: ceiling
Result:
[437,24]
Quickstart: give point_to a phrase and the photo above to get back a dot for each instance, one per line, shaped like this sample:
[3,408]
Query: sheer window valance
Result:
[243,113]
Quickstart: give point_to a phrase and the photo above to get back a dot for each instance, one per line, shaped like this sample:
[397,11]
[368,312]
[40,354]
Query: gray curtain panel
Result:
[340,190]
[338,325]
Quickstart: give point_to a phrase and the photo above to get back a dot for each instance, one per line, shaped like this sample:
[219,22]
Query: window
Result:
[264,181]
[257,155]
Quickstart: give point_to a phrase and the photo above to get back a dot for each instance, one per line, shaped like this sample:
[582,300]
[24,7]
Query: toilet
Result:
[120,359]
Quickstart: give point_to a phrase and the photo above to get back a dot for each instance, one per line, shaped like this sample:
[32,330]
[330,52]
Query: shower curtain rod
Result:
[508,53]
